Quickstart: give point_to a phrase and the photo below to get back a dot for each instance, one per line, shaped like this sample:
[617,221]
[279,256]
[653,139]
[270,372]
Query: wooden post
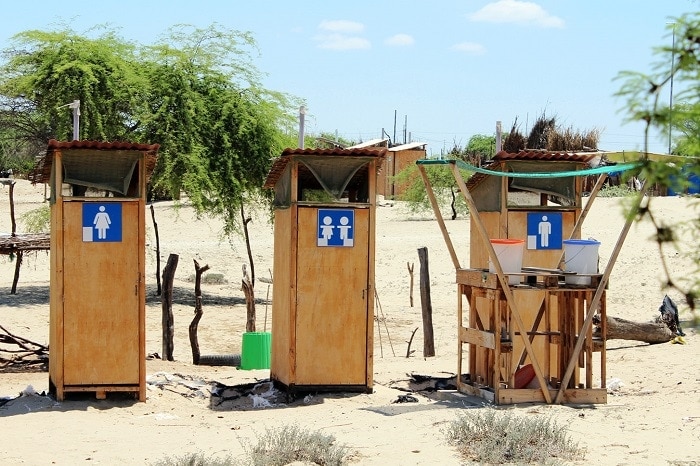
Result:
[426,305]
[18,264]
[248,291]
[198,311]
[167,306]
[12,208]
[155,229]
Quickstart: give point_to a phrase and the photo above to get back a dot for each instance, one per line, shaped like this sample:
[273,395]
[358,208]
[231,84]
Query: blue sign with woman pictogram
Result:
[102,222]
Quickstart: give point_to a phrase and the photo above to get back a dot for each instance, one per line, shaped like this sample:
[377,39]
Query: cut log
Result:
[648,332]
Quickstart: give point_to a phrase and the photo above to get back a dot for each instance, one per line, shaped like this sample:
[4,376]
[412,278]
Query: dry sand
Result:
[653,416]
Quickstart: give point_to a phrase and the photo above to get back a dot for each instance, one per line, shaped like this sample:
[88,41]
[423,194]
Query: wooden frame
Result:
[492,305]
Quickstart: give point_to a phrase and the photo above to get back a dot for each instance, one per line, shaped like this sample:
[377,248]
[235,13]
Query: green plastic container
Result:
[255,352]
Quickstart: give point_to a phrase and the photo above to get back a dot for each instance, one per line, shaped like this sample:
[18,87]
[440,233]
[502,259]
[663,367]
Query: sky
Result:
[430,71]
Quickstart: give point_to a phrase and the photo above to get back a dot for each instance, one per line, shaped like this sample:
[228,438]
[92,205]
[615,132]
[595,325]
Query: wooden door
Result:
[331,316]
[101,300]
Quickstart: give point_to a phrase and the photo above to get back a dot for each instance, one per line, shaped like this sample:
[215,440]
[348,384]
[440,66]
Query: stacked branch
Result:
[18,354]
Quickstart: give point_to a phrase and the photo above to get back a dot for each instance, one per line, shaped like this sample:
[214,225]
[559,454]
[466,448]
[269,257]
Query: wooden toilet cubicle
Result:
[323,287]
[527,335]
[97,297]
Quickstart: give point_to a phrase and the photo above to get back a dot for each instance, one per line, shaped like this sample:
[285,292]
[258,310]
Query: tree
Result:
[46,71]
[483,145]
[196,93]
[218,128]
[641,93]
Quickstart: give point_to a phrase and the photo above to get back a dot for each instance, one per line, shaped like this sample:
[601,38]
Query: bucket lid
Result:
[506,241]
[581,242]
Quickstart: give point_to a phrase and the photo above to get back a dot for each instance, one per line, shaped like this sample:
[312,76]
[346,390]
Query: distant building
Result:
[398,158]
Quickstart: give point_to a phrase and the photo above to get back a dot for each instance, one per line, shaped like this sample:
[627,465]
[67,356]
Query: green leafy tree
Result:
[642,95]
[218,128]
[196,92]
[45,71]
[483,145]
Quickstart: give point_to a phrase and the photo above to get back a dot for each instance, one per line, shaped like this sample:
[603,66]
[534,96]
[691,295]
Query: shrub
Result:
[37,220]
[287,444]
[276,447]
[490,436]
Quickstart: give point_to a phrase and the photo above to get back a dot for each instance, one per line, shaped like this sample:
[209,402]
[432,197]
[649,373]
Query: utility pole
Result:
[75,105]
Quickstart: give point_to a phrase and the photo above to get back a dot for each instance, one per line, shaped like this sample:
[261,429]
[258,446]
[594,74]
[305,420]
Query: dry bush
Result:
[496,437]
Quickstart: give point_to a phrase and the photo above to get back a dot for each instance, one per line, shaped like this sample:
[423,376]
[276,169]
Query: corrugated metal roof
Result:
[280,163]
[585,157]
[42,171]
[372,142]
[408,146]
[100,145]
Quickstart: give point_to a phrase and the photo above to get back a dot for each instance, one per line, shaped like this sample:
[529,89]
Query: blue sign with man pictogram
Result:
[544,230]
[335,227]
[102,222]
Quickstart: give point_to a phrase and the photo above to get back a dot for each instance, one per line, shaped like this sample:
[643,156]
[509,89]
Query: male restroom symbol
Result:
[544,229]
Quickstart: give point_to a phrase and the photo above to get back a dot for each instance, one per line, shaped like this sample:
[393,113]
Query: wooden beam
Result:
[438,216]
[584,212]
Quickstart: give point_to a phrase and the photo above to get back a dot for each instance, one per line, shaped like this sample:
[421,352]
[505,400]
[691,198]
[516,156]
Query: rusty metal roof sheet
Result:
[281,162]
[584,157]
[99,145]
[42,171]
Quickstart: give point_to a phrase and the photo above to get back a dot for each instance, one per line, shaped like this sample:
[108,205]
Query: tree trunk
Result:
[426,304]
[198,311]
[247,287]
[167,307]
[649,332]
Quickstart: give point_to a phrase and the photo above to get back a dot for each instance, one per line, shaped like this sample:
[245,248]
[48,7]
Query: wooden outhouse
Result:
[528,334]
[323,287]
[97,298]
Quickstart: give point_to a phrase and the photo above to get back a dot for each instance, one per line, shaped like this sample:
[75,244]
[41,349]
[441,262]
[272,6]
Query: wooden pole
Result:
[167,307]
[584,212]
[12,208]
[18,264]
[198,311]
[247,287]
[155,229]
[438,217]
[426,304]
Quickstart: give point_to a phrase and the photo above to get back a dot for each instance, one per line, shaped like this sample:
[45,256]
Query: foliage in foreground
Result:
[495,437]
[276,447]
[37,220]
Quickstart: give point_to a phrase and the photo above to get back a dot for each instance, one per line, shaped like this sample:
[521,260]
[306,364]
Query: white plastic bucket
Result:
[580,256]
[510,255]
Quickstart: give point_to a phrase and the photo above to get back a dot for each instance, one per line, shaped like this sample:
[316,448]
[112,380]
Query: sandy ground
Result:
[652,416]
